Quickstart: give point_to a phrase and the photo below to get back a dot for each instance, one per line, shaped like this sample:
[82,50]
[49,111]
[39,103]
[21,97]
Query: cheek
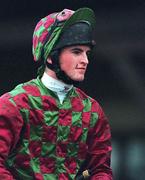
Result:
[67,66]
[67,63]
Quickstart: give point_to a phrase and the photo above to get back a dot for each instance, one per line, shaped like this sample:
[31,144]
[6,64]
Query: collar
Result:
[55,85]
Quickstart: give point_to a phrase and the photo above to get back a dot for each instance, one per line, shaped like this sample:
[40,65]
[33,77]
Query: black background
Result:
[116,73]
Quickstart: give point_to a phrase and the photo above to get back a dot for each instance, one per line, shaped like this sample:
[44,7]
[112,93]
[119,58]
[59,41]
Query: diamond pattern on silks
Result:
[52,143]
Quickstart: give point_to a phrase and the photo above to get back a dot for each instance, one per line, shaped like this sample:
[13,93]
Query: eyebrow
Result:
[77,48]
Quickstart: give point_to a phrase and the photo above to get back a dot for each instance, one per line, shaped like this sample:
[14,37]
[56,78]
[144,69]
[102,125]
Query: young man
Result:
[49,129]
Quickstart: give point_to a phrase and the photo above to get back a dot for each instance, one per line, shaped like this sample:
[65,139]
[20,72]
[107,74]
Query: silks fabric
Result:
[42,139]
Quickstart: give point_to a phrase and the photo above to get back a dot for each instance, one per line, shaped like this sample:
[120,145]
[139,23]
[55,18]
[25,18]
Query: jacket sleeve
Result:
[99,149]
[10,127]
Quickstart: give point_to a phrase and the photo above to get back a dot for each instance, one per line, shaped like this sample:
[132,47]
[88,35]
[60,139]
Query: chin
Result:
[79,79]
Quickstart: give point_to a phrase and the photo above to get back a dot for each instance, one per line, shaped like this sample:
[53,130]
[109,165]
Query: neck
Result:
[61,76]
[51,73]
[55,85]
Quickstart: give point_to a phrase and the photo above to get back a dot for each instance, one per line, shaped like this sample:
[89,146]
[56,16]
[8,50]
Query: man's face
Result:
[74,61]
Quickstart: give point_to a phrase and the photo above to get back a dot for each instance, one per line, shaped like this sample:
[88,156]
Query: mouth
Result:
[81,70]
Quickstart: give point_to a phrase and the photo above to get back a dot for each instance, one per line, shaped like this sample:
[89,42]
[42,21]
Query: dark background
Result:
[116,74]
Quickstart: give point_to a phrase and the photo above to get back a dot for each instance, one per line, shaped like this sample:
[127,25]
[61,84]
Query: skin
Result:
[73,61]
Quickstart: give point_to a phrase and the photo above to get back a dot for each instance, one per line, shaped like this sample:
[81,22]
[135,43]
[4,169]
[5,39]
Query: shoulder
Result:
[19,95]
[28,88]
[93,102]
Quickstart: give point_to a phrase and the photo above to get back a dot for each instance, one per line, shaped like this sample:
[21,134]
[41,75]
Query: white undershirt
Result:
[57,86]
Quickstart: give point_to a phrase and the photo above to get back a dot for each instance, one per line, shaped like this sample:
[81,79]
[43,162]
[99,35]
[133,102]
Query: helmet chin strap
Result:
[55,66]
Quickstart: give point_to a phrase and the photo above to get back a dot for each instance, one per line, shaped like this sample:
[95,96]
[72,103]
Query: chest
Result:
[63,127]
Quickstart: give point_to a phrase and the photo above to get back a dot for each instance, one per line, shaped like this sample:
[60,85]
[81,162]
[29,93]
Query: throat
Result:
[65,78]
[57,86]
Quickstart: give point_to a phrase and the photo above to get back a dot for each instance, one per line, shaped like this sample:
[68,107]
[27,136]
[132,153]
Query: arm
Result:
[99,149]
[10,127]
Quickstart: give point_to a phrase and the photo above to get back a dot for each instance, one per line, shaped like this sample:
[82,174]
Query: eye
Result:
[76,51]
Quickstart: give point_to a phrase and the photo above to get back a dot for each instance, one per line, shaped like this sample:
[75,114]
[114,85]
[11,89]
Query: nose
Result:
[85,58]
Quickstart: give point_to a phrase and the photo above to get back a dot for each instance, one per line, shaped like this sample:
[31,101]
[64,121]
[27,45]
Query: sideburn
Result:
[55,66]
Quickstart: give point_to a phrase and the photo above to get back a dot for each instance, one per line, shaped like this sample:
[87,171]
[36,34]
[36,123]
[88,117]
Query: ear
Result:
[49,60]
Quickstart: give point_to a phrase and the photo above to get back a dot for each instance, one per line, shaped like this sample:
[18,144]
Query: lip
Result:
[81,68]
